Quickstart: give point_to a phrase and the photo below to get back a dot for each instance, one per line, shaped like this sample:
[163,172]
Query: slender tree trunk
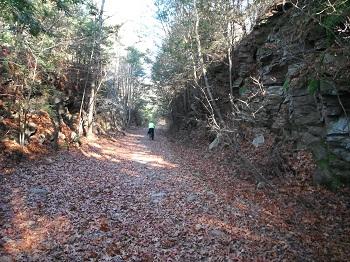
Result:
[24,108]
[202,64]
[229,54]
[93,93]
[91,110]
[189,98]
[21,123]
[81,122]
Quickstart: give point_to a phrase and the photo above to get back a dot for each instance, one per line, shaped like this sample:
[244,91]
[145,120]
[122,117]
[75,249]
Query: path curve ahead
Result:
[133,199]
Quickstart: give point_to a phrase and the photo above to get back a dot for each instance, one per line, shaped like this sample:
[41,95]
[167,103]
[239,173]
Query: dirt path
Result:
[134,199]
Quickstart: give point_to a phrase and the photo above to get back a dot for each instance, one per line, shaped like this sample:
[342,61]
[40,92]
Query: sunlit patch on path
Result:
[151,160]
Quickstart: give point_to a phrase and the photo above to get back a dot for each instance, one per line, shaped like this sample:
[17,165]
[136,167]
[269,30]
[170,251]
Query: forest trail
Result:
[132,199]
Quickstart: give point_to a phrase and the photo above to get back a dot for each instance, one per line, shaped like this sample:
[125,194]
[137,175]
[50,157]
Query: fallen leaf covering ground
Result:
[132,199]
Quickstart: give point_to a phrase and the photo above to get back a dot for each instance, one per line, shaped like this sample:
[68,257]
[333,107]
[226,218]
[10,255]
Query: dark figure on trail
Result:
[151,130]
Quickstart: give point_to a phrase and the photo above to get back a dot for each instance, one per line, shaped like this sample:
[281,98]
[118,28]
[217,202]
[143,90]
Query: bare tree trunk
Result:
[211,99]
[24,107]
[93,93]
[21,123]
[229,54]
[91,110]
[81,122]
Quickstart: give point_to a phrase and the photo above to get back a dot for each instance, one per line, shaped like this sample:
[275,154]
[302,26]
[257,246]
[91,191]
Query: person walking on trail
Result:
[151,130]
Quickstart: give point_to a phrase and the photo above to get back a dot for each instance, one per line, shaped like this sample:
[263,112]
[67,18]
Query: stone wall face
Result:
[307,82]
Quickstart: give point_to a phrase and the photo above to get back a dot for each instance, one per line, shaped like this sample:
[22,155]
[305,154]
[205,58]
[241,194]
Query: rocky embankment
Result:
[305,72]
